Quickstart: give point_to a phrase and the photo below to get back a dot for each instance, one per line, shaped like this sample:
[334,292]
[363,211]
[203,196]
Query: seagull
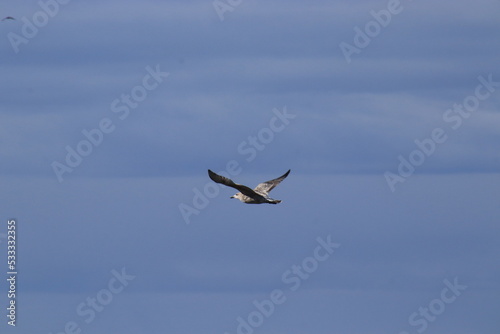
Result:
[8,18]
[246,195]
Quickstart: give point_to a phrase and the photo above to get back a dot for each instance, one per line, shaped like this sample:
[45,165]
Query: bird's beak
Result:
[232,197]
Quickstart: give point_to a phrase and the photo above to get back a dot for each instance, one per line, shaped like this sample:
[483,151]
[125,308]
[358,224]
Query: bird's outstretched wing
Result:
[228,182]
[266,187]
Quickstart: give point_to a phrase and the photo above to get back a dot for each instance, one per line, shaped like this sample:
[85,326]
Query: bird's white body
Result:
[250,200]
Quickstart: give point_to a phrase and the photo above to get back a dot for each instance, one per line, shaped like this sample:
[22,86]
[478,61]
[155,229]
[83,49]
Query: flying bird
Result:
[246,195]
[8,18]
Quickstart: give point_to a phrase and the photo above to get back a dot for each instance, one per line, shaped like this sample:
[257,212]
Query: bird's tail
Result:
[275,201]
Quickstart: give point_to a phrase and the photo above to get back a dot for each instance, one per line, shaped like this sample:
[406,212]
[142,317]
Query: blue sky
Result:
[111,114]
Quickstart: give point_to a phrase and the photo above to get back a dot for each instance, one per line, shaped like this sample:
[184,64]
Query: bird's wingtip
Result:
[212,175]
